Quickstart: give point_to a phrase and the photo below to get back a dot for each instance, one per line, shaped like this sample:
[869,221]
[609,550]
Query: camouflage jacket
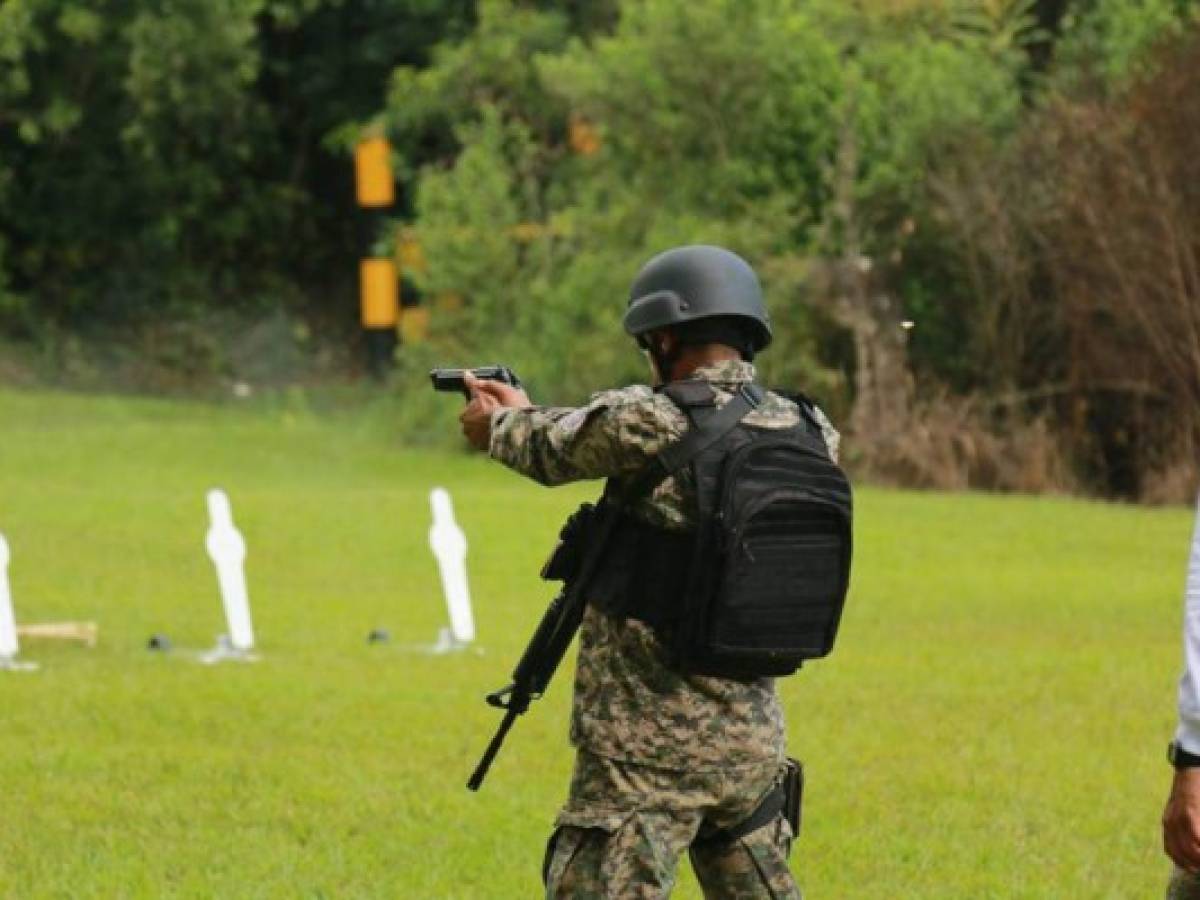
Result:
[629,704]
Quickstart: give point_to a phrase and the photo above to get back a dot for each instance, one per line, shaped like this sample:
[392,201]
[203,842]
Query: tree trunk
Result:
[853,295]
[853,291]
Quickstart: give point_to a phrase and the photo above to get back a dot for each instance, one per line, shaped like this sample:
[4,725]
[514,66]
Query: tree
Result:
[183,155]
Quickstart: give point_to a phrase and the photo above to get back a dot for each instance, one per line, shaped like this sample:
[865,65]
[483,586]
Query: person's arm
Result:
[1188,733]
[1181,818]
[615,434]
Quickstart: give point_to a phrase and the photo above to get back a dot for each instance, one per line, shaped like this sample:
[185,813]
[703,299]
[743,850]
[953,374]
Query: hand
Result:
[487,396]
[1181,820]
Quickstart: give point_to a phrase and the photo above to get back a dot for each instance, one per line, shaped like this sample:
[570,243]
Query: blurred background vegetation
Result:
[978,221]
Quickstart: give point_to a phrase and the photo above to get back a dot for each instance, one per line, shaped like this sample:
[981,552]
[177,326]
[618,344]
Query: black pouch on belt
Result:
[793,786]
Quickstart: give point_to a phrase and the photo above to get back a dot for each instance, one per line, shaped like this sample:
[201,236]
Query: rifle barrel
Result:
[485,763]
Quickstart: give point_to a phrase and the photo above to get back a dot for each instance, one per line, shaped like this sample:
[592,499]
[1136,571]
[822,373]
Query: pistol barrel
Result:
[453,380]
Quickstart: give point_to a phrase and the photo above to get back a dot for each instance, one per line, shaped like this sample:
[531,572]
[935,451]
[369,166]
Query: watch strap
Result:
[1180,758]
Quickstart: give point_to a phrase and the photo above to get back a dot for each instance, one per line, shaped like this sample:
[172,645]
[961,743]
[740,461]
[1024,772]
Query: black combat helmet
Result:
[688,284]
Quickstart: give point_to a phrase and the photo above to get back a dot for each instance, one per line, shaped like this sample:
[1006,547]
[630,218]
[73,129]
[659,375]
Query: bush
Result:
[1084,239]
[165,156]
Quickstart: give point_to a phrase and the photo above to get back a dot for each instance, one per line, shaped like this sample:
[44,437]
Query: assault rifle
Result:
[574,561]
[452,379]
[561,620]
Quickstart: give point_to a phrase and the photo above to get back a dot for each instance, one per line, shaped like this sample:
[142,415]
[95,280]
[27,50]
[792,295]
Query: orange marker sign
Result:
[379,293]
[374,185]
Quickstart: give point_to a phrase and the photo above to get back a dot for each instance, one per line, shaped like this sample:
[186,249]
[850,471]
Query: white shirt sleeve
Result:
[1188,733]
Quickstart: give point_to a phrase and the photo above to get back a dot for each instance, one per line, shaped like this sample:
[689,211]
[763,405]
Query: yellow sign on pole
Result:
[379,293]
[374,185]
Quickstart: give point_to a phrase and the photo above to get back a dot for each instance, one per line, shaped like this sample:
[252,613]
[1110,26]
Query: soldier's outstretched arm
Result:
[614,434]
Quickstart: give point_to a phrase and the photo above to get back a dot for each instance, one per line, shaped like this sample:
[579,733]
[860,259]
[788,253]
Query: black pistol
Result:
[452,379]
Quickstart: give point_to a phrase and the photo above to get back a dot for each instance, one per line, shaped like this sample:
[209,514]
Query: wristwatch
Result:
[1180,758]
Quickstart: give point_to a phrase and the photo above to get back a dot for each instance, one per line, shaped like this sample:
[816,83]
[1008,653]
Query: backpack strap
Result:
[695,440]
[691,394]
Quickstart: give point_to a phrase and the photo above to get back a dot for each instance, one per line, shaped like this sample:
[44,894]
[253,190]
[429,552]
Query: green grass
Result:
[992,723]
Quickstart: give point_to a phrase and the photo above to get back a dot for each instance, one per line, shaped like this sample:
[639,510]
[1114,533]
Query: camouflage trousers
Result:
[624,827]
[1183,886]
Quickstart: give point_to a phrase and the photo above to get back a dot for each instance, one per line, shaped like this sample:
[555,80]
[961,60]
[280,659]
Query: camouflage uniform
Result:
[658,751]
[1183,886]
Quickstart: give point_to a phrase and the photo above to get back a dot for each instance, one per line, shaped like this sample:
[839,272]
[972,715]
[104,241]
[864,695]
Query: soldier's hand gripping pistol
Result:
[452,379]
[573,562]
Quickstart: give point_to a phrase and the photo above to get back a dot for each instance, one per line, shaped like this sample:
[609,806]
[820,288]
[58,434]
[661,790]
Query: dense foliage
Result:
[880,162]
[715,122]
[801,133]
[1088,256]
[164,156]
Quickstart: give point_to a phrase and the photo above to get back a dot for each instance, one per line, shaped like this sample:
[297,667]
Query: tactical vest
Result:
[758,585]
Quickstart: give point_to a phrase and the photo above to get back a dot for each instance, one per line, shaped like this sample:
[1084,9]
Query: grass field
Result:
[992,723]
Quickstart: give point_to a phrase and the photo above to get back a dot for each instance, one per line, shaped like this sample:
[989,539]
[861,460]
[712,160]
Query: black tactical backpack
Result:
[758,587]
[771,563]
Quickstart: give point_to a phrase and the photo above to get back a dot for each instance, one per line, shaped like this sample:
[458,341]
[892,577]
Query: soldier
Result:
[665,761]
